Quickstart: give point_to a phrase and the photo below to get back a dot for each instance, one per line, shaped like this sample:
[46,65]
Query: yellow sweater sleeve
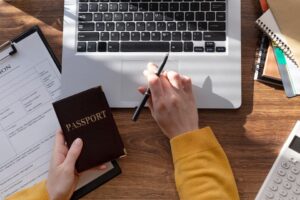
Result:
[36,192]
[202,171]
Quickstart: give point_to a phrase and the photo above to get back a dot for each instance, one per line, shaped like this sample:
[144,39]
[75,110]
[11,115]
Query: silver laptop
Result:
[110,42]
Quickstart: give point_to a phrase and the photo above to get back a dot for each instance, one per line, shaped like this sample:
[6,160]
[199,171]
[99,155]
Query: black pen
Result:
[148,93]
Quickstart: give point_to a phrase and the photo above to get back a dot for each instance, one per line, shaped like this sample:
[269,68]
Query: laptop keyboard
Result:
[151,26]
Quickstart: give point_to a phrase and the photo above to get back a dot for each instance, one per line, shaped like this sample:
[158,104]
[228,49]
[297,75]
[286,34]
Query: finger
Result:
[74,153]
[152,68]
[60,150]
[142,90]
[101,167]
[175,79]
[187,83]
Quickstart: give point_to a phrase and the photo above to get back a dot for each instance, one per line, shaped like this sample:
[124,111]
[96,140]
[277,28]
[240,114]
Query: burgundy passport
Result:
[87,115]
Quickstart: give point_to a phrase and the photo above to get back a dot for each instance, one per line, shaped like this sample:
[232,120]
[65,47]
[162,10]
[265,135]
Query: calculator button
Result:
[273,188]
[293,198]
[285,165]
[291,178]
[296,190]
[283,193]
[270,195]
[298,181]
[295,170]
[279,180]
[287,185]
[281,172]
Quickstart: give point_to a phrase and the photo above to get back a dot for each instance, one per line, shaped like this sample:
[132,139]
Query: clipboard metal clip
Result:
[10,53]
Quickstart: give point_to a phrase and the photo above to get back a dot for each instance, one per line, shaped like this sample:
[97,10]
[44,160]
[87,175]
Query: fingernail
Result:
[78,142]
[103,167]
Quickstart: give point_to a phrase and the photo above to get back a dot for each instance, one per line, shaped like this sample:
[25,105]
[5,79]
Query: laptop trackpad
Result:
[132,77]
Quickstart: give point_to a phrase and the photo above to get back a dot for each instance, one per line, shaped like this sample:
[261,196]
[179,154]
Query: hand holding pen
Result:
[148,93]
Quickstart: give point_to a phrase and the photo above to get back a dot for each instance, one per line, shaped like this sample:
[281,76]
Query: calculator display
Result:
[295,144]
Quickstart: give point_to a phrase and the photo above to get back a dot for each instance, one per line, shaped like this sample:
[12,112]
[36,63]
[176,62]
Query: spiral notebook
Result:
[269,26]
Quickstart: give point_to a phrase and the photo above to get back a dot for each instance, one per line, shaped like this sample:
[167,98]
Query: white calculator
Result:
[283,180]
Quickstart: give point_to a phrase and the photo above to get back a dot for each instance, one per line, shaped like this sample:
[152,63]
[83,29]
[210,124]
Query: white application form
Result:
[29,82]
[27,120]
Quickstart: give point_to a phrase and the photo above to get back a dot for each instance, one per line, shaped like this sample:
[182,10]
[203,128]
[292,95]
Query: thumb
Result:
[74,153]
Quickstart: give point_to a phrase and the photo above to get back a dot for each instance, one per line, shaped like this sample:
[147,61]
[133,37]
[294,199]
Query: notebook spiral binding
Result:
[282,45]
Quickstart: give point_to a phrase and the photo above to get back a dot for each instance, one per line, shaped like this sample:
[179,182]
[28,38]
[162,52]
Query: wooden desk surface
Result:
[251,136]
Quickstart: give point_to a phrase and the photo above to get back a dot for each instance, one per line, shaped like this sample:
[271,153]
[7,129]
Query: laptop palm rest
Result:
[132,77]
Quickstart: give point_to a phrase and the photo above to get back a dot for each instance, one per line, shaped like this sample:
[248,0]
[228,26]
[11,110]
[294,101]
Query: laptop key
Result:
[113,7]
[179,16]
[158,16]
[128,17]
[85,17]
[145,36]
[150,26]
[220,49]
[164,7]
[205,6]
[108,17]
[188,46]
[186,36]
[216,26]
[199,49]
[195,7]
[143,7]
[184,7]
[155,36]
[218,6]
[189,16]
[181,26]
[135,36]
[93,7]
[110,26]
[214,36]
[113,47]
[97,16]
[161,26]
[169,16]
[114,36]
[176,36]
[86,26]
[174,6]
[221,16]
[148,16]
[171,26]
[197,36]
[103,7]
[118,17]
[120,26]
[138,16]
[83,7]
[153,7]
[133,7]
[88,36]
[166,36]
[176,46]
[145,46]
[210,16]
[130,26]
[104,36]
[125,36]
[202,26]
[91,46]
[81,46]
[123,7]
[199,16]
[100,26]
[140,26]
[192,26]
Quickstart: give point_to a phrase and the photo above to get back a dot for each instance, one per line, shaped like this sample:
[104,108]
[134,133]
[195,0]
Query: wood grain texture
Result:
[251,136]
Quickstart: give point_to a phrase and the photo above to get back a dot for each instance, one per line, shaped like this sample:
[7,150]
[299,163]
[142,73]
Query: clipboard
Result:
[11,50]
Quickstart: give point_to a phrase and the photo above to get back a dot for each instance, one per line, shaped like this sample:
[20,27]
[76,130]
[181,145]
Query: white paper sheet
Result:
[29,83]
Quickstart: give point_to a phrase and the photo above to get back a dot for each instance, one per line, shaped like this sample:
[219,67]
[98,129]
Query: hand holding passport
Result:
[87,116]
